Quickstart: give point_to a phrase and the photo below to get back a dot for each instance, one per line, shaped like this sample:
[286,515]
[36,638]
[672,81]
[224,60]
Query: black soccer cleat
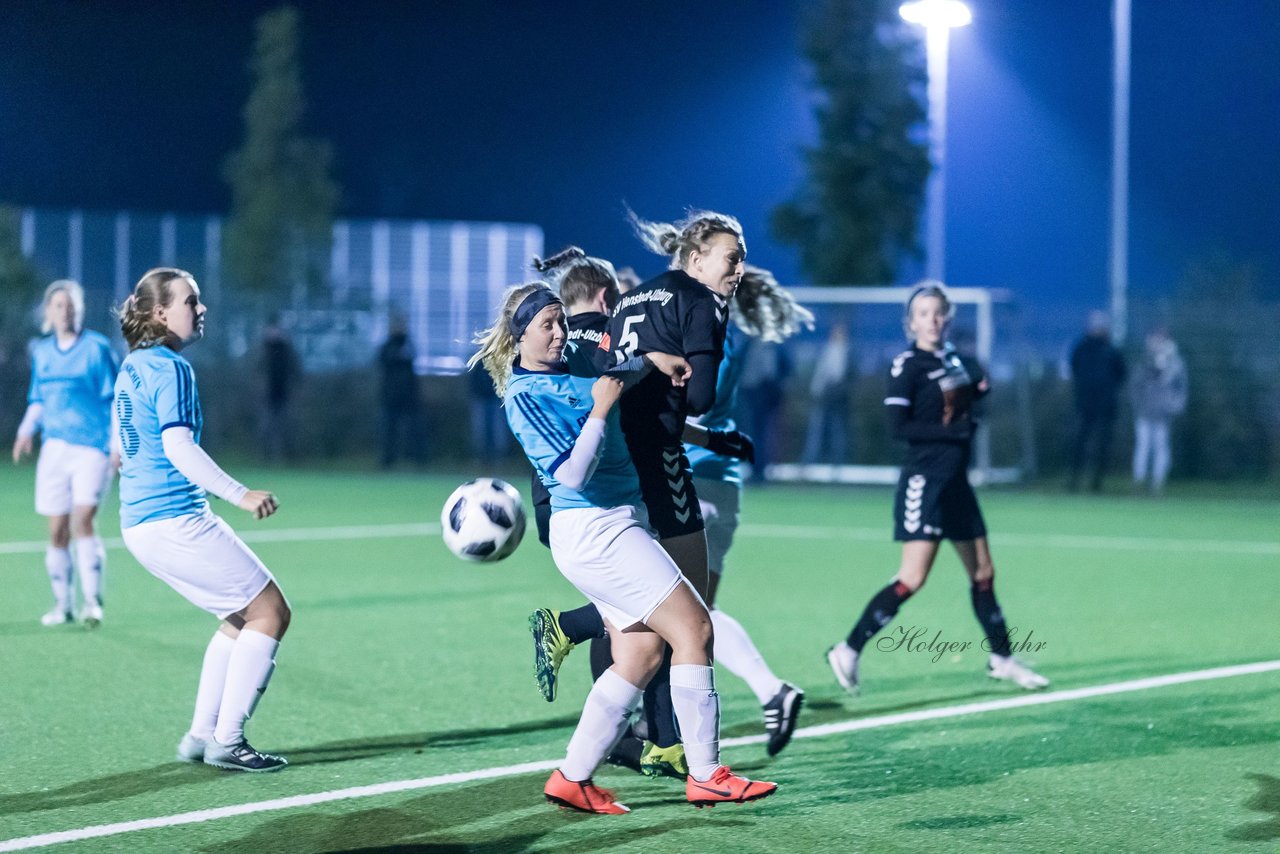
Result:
[780,715]
[240,757]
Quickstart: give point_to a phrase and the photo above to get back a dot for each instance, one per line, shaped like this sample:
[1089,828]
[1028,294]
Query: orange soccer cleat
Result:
[585,796]
[725,787]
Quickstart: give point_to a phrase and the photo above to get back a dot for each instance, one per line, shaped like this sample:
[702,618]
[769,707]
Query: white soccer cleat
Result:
[91,616]
[1010,669]
[191,748]
[844,664]
[57,617]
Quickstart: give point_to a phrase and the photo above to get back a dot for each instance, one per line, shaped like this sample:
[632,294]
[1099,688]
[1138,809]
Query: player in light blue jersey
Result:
[760,310]
[568,427]
[69,404]
[167,524]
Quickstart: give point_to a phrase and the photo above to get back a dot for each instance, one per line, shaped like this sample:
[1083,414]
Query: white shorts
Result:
[202,558]
[721,509]
[611,556]
[69,476]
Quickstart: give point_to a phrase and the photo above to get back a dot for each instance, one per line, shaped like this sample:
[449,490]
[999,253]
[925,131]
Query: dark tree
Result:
[857,214]
[283,197]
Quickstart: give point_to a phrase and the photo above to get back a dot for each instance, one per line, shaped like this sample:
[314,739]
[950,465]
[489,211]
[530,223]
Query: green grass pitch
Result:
[404,663]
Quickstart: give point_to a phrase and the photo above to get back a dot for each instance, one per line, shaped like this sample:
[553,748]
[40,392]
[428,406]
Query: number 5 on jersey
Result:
[630,341]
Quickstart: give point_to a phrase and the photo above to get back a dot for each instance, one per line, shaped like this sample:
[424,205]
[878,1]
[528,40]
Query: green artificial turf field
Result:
[404,664]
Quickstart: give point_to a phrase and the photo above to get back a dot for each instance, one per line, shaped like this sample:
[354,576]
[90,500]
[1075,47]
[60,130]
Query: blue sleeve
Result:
[173,387]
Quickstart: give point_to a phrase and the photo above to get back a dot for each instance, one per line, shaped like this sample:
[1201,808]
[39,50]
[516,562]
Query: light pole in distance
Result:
[938,17]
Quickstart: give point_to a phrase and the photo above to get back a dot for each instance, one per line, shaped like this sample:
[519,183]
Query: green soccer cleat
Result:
[550,646]
[658,761]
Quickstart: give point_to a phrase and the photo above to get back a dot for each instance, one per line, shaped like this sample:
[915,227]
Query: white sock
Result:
[213,676]
[91,560]
[57,562]
[249,669]
[604,717]
[697,705]
[734,649]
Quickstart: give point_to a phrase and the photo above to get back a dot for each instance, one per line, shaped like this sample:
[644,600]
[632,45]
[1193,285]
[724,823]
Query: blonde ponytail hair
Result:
[678,240]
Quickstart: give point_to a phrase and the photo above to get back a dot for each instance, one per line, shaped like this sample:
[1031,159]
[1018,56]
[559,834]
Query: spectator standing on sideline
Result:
[828,434]
[1159,395]
[280,369]
[1098,372]
[401,409]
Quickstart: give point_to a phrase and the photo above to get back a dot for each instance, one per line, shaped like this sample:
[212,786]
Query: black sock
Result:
[659,713]
[601,656]
[582,624]
[989,615]
[882,608]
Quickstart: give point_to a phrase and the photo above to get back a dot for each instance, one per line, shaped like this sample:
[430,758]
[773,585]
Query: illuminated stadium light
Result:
[936,13]
[938,18]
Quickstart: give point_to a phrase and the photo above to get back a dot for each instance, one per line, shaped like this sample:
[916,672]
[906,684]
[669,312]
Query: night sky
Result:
[558,113]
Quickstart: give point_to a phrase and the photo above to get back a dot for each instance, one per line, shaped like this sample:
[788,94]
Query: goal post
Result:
[872,320]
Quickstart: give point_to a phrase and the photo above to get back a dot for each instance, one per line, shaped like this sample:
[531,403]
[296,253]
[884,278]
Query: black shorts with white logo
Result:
[935,507]
[666,484]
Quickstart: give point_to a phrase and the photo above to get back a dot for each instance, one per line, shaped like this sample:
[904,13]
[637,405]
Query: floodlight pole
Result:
[938,17]
[1119,261]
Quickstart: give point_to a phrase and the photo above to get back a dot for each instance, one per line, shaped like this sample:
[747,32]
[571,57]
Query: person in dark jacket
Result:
[1098,373]
[281,370]
[401,411]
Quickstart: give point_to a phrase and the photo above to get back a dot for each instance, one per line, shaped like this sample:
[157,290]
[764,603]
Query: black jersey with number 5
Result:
[671,313]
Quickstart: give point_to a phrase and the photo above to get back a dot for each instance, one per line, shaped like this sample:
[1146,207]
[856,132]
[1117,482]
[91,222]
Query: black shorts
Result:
[666,484]
[935,507]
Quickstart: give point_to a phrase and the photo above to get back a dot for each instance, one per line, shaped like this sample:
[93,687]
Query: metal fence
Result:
[443,278]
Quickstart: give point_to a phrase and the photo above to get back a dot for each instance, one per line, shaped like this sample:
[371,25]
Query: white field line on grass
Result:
[790,532]
[279,535]
[1020,701]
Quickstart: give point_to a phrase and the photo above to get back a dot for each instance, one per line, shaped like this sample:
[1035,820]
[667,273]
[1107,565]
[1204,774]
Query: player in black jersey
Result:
[930,399]
[683,311]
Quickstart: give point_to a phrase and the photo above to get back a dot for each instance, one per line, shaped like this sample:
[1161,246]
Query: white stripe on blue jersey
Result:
[74,386]
[545,412]
[156,390]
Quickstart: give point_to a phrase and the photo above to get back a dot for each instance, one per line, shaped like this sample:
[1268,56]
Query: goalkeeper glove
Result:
[731,443]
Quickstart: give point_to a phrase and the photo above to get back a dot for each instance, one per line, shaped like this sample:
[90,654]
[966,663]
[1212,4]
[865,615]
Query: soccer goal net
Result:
[815,404]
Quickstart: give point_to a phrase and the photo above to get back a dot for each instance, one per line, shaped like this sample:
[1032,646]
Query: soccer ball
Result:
[483,520]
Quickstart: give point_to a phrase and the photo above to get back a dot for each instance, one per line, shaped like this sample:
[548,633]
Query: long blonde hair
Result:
[498,347]
[138,322]
[763,309]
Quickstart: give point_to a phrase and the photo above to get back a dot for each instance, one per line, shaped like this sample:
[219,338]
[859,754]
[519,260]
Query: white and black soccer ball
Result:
[483,520]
